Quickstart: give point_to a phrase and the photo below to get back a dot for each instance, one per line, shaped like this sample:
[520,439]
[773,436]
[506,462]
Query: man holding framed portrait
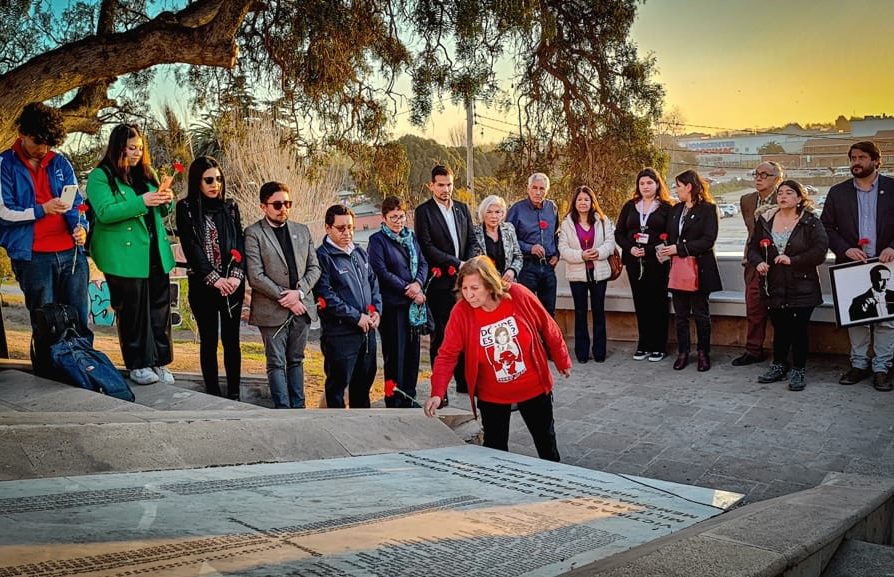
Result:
[857,217]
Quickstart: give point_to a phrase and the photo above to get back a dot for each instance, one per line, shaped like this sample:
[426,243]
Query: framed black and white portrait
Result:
[863,292]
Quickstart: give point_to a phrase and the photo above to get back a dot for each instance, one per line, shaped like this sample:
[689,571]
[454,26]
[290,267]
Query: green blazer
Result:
[119,243]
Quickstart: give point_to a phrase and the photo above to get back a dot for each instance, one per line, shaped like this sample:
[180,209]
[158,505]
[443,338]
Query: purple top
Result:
[586,239]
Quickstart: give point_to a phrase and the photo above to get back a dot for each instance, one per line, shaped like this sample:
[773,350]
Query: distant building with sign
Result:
[801,148]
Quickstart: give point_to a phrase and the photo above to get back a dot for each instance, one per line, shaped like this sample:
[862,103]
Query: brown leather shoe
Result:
[704,363]
[681,362]
[854,376]
[881,382]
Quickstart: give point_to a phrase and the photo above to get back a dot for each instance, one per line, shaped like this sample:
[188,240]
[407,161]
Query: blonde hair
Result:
[484,267]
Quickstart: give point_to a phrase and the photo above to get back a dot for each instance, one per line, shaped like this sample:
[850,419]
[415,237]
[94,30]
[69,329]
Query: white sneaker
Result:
[144,376]
[164,375]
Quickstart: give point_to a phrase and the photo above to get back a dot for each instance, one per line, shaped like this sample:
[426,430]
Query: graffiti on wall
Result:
[102,314]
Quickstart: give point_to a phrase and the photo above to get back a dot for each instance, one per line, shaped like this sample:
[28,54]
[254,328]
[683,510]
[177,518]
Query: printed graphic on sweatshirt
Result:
[500,342]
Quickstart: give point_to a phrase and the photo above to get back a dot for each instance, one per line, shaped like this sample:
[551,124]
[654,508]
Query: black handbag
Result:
[429,326]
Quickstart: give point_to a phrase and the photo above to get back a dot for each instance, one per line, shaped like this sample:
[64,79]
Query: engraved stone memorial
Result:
[465,511]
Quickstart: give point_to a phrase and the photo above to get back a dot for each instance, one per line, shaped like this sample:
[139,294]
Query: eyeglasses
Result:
[343,227]
[763,175]
[209,180]
[397,218]
[279,204]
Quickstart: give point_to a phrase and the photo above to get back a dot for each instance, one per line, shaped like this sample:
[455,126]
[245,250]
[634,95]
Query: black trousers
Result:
[143,314]
[400,352]
[790,330]
[349,361]
[211,310]
[441,303]
[538,416]
[650,304]
[695,305]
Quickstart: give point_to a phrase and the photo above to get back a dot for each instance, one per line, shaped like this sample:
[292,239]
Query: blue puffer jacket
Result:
[18,205]
[348,285]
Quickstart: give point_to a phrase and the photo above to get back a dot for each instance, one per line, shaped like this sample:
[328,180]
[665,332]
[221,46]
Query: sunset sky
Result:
[755,63]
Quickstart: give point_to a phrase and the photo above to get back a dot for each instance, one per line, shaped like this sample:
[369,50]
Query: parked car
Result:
[728,210]
[717,172]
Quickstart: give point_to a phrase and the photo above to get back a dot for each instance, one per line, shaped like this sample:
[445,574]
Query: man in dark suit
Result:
[282,271]
[878,301]
[858,220]
[444,230]
[767,177]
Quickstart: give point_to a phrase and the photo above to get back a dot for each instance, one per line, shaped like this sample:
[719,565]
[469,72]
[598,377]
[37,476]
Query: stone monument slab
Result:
[464,510]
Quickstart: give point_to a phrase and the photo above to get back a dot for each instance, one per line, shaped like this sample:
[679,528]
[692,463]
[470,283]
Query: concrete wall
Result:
[727,310]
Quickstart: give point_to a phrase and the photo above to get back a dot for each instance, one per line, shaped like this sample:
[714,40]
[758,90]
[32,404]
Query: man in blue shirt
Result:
[536,220]
[857,217]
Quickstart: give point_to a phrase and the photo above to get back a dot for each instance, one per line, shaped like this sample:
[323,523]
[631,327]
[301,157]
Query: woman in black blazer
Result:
[642,221]
[691,233]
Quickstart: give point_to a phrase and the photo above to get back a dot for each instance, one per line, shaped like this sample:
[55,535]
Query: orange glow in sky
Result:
[744,64]
[761,63]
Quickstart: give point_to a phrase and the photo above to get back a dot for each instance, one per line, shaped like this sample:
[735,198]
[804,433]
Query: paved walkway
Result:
[719,429]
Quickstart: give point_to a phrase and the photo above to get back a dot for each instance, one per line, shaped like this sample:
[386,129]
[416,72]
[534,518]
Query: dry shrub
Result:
[259,150]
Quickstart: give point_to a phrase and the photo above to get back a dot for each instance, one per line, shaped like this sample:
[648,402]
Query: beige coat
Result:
[268,273]
[570,250]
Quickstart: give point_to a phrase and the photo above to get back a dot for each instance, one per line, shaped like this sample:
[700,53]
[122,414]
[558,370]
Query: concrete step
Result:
[37,445]
[23,392]
[858,558]
[795,535]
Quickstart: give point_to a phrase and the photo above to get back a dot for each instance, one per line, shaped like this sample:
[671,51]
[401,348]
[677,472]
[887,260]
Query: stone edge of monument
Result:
[795,535]
[37,445]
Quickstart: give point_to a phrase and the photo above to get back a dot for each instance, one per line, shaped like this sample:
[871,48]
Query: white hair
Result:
[538,176]
[485,204]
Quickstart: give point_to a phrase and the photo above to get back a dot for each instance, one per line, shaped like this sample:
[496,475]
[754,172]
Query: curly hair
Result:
[43,123]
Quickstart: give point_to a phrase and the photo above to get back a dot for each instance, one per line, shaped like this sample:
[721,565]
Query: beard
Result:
[862,172]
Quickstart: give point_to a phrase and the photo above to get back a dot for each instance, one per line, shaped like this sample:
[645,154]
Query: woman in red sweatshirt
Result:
[504,332]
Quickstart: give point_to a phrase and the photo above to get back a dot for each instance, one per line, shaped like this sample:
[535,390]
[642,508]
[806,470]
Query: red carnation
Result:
[636,238]
[765,242]
[543,225]
[389,388]
[662,236]
[82,208]
[178,167]
[321,303]
[863,242]
[451,270]
[371,309]
[237,256]
[436,272]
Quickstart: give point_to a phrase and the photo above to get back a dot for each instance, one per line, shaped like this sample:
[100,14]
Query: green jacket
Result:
[119,243]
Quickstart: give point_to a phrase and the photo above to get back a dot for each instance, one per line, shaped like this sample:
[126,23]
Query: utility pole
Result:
[470,153]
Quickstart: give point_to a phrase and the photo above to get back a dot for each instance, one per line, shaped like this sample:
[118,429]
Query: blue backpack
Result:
[88,368]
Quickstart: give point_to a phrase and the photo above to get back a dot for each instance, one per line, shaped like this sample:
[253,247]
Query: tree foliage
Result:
[329,70]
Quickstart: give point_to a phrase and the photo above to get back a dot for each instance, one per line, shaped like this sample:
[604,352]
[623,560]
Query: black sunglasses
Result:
[278,204]
[212,179]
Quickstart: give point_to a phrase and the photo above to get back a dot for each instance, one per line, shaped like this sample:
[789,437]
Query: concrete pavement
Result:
[719,429]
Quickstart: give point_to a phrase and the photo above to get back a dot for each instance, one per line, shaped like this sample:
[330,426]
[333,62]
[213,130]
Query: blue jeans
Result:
[540,279]
[285,362]
[579,292]
[48,278]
